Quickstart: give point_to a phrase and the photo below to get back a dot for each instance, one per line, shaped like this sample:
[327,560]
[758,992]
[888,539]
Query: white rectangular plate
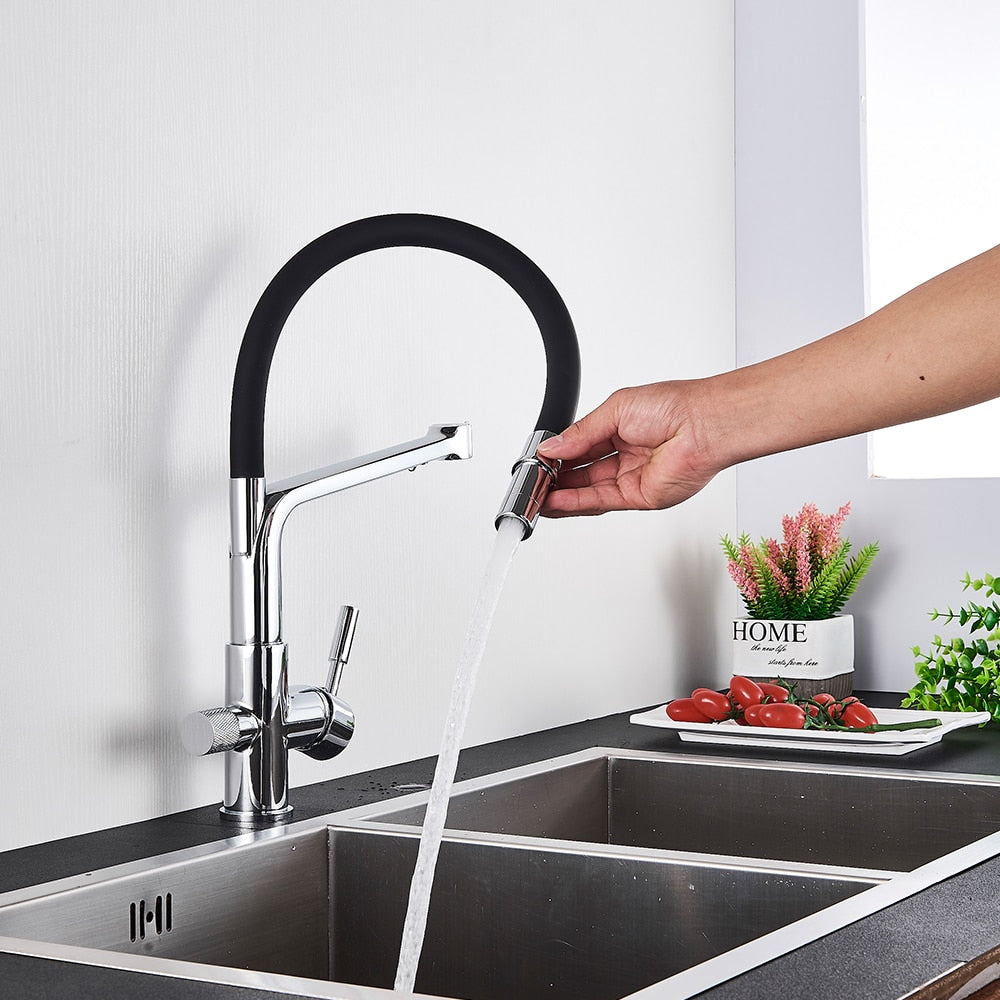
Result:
[731,734]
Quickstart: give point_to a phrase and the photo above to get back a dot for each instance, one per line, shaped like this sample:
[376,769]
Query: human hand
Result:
[639,450]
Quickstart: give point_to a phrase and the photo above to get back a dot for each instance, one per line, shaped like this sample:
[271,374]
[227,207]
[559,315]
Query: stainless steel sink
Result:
[505,921]
[861,817]
[598,876]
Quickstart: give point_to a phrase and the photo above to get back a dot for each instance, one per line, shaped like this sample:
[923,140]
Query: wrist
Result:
[719,421]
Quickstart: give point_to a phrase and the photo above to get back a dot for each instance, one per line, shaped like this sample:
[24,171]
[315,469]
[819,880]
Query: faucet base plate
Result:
[255,819]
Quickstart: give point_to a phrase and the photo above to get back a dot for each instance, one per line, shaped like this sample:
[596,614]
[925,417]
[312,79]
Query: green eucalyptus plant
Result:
[962,674]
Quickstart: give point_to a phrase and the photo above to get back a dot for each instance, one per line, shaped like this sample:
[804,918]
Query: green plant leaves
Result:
[960,674]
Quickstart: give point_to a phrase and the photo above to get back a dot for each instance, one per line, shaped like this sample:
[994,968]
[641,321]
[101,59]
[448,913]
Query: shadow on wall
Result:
[873,590]
[691,587]
[161,497]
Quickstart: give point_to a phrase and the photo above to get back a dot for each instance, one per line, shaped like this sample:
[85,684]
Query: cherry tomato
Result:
[858,716]
[685,710]
[775,692]
[751,715]
[824,699]
[745,692]
[835,708]
[781,715]
[711,703]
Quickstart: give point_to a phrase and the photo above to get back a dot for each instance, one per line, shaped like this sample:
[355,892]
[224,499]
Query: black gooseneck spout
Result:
[562,353]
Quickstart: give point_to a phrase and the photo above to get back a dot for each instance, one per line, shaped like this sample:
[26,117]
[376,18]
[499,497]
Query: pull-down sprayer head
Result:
[533,477]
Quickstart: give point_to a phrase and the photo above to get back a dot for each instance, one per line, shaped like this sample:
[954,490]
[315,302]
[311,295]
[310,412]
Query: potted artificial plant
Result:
[793,591]
[961,674]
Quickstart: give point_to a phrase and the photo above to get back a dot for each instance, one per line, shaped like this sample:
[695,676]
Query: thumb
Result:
[591,437]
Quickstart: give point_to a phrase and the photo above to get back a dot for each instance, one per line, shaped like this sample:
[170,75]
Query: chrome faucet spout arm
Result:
[258,513]
[442,441]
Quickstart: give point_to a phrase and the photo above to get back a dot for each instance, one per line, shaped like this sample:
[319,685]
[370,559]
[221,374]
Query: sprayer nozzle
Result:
[532,479]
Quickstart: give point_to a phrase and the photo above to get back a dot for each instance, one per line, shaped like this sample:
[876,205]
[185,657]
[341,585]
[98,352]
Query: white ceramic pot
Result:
[814,655]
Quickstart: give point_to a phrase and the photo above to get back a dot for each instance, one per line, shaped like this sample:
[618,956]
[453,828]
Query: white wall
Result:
[159,163]
[800,275]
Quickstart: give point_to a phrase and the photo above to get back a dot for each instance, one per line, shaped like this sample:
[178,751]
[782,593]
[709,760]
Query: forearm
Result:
[933,350]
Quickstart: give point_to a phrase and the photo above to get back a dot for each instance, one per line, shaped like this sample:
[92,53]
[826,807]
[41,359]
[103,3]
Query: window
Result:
[933,193]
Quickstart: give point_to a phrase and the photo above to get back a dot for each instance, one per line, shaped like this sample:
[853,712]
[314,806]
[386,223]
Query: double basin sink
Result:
[596,876]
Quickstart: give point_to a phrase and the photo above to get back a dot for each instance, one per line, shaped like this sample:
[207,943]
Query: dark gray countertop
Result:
[882,956]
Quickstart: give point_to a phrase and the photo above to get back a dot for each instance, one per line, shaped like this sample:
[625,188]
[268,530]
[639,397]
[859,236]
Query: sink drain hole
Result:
[144,920]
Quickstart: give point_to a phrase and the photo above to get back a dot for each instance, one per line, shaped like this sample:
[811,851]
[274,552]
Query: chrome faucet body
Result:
[264,717]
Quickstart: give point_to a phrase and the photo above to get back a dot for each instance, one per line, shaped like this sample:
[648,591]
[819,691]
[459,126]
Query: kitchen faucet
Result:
[263,716]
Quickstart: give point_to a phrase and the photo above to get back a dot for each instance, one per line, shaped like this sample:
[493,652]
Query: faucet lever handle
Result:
[340,649]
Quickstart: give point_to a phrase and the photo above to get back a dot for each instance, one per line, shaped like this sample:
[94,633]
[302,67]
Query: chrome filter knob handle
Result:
[219,729]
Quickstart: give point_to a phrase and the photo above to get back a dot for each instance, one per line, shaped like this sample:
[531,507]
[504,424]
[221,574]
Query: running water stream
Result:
[508,536]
